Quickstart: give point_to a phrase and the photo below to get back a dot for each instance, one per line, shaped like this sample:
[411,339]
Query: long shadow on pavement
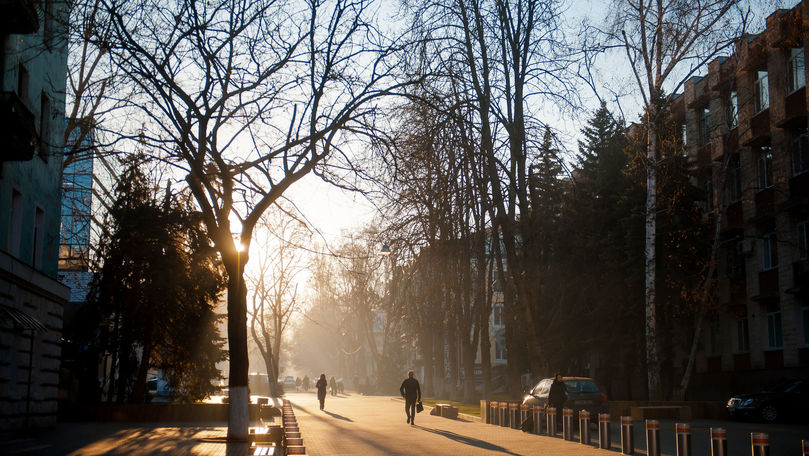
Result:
[467,440]
[339,417]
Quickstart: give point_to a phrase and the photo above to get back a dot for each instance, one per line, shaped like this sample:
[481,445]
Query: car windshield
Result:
[581,386]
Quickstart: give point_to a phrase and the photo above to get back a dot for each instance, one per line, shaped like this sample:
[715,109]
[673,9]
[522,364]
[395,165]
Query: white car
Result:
[289,383]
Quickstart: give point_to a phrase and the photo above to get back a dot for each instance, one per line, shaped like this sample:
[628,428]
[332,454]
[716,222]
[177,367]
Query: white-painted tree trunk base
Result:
[238,413]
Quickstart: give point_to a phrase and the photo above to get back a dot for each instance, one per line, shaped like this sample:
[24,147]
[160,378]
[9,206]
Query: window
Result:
[742,335]
[765,168]
[22,83]
[15,224]
[705,126]
[796,69]
[47,22]
[734,179]
[733,109]
[762,91]
[803,240]
[44,126]
[497,317]
[774,336]
[500,348]
[38,238]
[805,314]
[708,196]
[497,284]
[800,153]
[684,132]
[714,337]
[769,252]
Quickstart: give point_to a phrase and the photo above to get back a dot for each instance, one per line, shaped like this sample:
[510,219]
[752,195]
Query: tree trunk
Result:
[652,359]
[239,398]
[139,391]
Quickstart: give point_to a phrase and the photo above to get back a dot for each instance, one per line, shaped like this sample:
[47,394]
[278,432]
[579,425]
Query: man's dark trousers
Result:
[410,409]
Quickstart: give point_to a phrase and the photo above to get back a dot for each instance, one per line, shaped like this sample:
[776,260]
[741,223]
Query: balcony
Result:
[759,129]
[17,128]
[767,286]
[19,16]
[800,280]
[798,193]
[785,28]
[794,110]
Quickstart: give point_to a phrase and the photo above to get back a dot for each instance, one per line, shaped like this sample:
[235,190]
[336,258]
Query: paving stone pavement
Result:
[375,425]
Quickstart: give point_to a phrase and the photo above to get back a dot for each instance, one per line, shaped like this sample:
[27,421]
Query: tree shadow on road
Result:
[339,417]
[467,440]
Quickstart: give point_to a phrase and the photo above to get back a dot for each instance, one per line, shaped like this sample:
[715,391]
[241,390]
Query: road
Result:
[375,425]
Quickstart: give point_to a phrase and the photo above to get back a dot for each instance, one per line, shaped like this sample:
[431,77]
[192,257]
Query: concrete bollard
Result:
[567,424]
[627,435]
[653,438]
[719,442]
[604,431]
[760,444]
[805,446]
[537,420]
[584,427]
[551,421]
[514,415]
[683,443]
[493,411]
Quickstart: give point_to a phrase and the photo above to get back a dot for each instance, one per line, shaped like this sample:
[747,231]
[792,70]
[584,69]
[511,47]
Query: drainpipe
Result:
[30,368]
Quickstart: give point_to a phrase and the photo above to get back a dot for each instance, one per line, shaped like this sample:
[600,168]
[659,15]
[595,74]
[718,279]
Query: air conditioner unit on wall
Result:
[747,246]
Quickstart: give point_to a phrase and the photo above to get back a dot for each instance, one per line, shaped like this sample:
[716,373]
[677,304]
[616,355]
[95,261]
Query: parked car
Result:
[289,383]
[788,400]
[582,394]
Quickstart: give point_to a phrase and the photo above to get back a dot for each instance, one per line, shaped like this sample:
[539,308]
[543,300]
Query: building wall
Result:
[749,291]
[28,285]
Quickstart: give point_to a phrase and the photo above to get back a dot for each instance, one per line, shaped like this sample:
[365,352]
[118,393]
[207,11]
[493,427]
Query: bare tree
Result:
[274,285]
[245,98]
[666,42]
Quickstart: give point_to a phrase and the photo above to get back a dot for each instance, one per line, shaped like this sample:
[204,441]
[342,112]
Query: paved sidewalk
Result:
[374,425]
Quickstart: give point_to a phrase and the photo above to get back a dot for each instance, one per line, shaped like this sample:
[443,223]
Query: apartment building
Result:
[744,125]
[32,87]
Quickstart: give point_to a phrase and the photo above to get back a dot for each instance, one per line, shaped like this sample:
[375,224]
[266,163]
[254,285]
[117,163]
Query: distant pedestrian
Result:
[558,393]
[321,390]
[333,385]
[411,392]
[298,382]
[305,383]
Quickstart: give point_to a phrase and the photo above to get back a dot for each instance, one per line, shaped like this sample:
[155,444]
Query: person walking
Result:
[557,397]
[411,392]
[333,385]
[321,390]
[305,383]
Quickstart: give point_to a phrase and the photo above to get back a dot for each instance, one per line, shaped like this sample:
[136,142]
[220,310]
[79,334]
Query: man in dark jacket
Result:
[411,392]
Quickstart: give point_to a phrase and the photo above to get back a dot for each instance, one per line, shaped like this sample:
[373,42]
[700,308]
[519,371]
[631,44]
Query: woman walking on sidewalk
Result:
[321,385]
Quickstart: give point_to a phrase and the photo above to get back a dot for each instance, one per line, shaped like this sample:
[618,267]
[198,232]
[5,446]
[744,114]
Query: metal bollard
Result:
[584,427]
[493,411]
[514,415]
[604,431]
[567,423]
[805,446]
[484,411]
[504,414]
[551,421]
[627,435]
[537,419]
[683,433]
[760,444]
[652,438]
[719,442]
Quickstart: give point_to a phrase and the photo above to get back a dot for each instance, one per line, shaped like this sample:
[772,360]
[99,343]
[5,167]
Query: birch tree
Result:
[666,42]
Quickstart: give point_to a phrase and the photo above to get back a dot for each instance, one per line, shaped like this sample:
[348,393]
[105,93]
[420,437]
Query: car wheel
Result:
[769,413]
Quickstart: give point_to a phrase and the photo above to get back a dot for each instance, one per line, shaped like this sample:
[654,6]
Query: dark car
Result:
[789,400]
[582,394]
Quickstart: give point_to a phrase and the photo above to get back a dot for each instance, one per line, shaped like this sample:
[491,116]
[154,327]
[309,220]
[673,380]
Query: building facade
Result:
[33,66]
[744,125]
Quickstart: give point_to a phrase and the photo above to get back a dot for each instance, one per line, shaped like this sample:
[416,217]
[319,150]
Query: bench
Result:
[263,450]
[267,434]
